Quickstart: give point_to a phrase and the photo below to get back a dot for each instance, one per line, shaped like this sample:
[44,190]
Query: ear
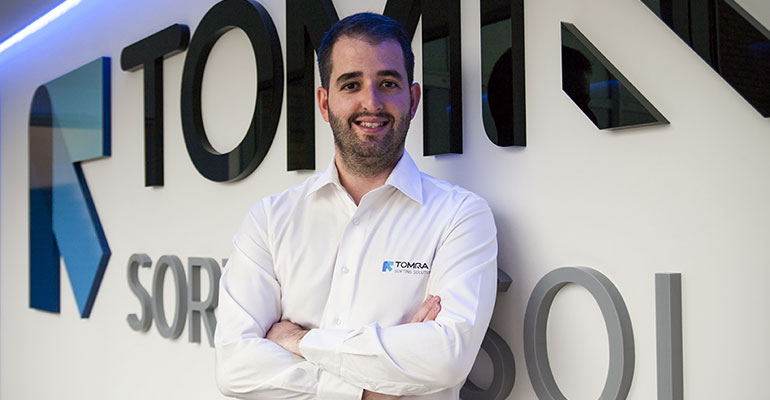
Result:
[415,93]
[323,102]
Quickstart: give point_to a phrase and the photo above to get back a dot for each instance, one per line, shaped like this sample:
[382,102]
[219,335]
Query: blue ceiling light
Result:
[39,23]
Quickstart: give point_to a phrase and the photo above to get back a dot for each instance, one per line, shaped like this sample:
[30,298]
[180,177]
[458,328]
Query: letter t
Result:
[149,53]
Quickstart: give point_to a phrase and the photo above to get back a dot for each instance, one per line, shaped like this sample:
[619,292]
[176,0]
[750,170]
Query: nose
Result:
[371,99]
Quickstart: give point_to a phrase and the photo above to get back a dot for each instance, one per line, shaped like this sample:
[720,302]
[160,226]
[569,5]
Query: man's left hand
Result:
[287,335]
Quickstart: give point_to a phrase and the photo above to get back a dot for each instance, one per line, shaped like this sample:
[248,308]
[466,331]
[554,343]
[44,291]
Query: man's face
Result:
[369,104]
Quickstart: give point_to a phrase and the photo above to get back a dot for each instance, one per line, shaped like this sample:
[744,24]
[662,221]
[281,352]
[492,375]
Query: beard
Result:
[372,155]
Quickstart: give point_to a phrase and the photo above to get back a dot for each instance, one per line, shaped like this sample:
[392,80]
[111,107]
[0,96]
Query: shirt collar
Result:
[330,176]
[404,177]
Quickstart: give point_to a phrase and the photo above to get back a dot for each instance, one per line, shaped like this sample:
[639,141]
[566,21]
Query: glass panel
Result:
[607,98]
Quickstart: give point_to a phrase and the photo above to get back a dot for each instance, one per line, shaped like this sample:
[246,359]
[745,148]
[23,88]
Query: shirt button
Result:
[337,321]
[345,270]
[356,221]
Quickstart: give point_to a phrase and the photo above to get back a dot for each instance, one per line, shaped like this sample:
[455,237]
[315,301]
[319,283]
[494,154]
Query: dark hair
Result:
[373,28]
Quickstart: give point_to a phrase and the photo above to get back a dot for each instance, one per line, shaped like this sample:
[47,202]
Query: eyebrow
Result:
[391,73]
[349,75]
[357,74]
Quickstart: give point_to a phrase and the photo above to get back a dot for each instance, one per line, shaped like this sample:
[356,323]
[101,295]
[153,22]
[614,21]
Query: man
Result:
[329,293]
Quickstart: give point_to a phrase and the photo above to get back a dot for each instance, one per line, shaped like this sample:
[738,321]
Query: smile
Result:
[366,124]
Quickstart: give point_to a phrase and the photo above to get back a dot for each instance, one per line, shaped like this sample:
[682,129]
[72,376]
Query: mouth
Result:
[367,124]
[371,123]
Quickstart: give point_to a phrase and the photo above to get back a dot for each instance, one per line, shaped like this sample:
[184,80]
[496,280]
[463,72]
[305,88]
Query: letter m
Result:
[306,25]
[69,123]
[442,77]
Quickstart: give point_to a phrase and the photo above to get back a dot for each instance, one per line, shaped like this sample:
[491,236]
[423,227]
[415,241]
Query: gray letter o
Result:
[619,332]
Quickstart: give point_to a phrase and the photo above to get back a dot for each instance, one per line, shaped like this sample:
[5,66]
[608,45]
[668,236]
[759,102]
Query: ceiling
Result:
[16,14]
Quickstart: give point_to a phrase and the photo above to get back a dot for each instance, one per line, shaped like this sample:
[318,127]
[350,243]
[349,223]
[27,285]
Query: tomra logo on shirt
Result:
[405,267]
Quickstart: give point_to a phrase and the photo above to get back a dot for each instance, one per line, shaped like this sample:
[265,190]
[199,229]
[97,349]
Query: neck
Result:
[357,185]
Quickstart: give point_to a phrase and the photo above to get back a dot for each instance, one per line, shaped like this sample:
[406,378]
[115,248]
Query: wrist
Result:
[299,336]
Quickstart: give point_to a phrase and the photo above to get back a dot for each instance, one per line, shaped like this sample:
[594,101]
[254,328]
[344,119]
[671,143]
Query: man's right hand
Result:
[427,312]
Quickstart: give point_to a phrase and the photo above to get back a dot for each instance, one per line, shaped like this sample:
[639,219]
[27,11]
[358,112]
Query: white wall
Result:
[690,197]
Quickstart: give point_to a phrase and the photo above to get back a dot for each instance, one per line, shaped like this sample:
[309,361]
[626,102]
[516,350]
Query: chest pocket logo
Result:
[405,267]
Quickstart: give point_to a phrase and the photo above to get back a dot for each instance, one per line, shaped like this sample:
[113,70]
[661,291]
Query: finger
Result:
[421,312]
[419,315]
[434,310]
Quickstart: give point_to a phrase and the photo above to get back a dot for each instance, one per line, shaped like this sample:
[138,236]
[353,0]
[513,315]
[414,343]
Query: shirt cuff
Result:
[332,387]
[321,346]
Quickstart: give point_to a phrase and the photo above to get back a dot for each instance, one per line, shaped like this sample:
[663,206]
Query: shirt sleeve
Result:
[248,366]
[423,358]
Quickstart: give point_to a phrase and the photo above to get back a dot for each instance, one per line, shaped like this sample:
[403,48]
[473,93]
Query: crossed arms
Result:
[288,334]
[424,356]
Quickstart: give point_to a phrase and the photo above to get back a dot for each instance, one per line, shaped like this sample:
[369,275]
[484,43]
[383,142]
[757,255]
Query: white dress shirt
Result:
[355,275]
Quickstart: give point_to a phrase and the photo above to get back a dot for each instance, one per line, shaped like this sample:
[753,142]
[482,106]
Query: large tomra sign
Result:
[56,150]
[504,91]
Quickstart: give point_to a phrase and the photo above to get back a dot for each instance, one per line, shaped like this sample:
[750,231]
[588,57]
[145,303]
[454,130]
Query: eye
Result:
[390,84]
[349,86]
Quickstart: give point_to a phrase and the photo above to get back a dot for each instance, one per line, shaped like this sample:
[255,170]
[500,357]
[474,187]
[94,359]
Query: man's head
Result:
[370,27]
[368,96]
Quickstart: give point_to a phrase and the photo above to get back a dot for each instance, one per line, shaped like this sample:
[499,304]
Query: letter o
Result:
[616,318]
[180,297]
[256,22]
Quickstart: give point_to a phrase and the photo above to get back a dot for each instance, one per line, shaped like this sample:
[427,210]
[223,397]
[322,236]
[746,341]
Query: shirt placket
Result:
[346,271]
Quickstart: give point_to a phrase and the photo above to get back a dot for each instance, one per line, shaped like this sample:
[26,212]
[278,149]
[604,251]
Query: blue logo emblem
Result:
[387,266]
[69,123]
